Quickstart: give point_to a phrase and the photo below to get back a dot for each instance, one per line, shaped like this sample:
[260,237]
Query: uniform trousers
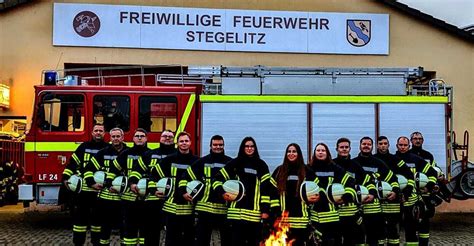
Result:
[84,215]
[392,233]
[374,228]
[134,228]
[154,221]
[179,230]
[352,229]
[110,213]
[245,233]
[298,236]
[206,223]
[330,231]
[424,226]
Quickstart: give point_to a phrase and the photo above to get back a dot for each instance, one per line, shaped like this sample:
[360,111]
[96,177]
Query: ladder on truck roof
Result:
[261,80]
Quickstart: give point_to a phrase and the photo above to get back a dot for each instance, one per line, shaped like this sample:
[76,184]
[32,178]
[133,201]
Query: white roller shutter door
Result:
[272,125]
[402,119]
[336,120]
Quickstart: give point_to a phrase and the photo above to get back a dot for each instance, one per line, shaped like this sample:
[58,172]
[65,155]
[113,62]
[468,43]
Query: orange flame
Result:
[279,236]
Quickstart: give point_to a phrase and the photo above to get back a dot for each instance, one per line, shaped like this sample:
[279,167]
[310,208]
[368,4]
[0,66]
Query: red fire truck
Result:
[276,105]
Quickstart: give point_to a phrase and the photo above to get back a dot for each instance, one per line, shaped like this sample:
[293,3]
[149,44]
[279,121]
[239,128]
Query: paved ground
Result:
[52,228]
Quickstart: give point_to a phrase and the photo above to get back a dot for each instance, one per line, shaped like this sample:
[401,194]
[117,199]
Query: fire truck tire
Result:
[466,183]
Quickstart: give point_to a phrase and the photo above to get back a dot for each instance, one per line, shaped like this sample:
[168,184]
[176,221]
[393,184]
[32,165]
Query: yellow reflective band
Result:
[184,119]
[325,99]
[50,146]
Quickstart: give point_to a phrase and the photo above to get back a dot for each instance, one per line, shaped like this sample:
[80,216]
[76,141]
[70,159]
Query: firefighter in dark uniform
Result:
[11,182]
[3,189]
[246,216]
[350,214]
[133,208]
[85,201]
[211,208]
[391,209]
[415,207]
[442,193]
[373,218]
[324,214]
[108,205]
[289,177]
[178,207]
[154,220]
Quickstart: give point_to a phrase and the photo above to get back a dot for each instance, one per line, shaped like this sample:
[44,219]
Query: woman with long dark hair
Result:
[324,215]
[289,176]
[245,216]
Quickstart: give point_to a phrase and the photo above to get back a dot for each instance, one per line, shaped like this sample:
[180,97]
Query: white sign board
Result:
[151,27]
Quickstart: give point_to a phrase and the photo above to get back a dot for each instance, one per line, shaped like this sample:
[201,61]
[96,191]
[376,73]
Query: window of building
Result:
[158,113]
[112,111]
[61,112]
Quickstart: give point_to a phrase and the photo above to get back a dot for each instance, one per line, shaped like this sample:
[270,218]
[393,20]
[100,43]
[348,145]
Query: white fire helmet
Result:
[421,180]
[402,181]
[120,184]
[335,192]
[361,193]
[165,186]
[99,177]
[235,189]
[307,189]
[74,183]
[194,188]
[383,189]
[439,172]
[142,187]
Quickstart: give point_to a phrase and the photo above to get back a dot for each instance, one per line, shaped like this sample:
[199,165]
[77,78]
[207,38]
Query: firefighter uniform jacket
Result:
[174,166]
[325,211]
[147,162]
[291,201]
[204,170]
[417,164]
[380,171]
[123,165]
[427,156]
[258,183]
[355,170]
[81,158]
[398,166]
[102,161]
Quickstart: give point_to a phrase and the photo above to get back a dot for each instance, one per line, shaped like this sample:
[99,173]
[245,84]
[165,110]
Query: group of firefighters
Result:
[316,219]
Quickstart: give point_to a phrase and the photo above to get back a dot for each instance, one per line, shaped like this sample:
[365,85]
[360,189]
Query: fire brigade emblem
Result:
[358,32]
[86,24]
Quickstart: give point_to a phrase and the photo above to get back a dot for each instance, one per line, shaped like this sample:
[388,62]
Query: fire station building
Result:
[40,36]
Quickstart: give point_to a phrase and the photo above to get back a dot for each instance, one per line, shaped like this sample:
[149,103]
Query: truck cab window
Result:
[158,113]
[112,111]
[61,112]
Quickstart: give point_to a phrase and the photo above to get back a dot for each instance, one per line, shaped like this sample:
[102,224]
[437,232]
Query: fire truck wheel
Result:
[466,183]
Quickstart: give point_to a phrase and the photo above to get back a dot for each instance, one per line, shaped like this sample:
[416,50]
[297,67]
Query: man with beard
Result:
[391,209]
[133,208]
[349,214]
[417,205]
[109,209]
[443,193]
[154,221]
[211,208]
[85,201]
[373,218]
